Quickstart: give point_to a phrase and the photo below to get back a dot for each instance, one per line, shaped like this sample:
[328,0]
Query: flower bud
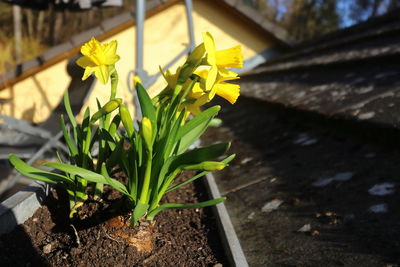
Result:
[147,132]
[197,54]
[109,107]
[126,119]
[206,166]
[192,62]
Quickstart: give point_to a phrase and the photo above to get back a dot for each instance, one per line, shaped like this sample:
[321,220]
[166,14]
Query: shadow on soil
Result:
[16,247]
[283,154]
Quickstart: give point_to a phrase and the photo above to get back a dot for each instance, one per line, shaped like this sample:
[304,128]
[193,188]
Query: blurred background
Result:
[42,27]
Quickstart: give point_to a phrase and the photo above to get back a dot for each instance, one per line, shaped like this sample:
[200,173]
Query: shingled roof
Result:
[351,74]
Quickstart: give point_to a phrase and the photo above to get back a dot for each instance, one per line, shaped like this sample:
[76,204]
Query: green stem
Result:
[114,84]
[177,90]
[147,176]
[163,189]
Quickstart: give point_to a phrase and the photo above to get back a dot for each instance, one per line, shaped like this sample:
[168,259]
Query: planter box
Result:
[19,207]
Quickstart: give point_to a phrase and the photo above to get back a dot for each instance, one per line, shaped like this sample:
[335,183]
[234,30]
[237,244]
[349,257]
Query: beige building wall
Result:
[165,37]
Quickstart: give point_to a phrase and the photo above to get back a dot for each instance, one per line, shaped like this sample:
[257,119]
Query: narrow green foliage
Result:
[153,154]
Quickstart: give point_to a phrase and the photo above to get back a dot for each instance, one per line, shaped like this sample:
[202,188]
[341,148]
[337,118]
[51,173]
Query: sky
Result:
[343,8]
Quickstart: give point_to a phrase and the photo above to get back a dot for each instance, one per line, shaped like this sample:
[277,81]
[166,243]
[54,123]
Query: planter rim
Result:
[19,207]
[231,243]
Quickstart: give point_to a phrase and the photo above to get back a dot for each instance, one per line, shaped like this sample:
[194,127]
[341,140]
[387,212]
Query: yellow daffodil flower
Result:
[221,59]
[213,79]
[98,59]
[228,91]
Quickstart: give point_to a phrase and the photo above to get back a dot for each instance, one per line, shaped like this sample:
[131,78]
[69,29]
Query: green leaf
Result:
[106,137]
[116,155]
[37,174]
[163,172]
[114,125]
[114,183]
[191,131]
[146,105]
[86,120]
[138,212]
[71,146]
[74,170]
[212,202]
[89,175]
[199,119]
[68,109]
[172,136]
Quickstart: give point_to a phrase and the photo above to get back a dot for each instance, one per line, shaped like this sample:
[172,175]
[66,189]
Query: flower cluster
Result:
[153,154]
[211,68]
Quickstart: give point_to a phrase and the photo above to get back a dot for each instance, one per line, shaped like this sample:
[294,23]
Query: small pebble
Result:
[366,116]
[379,208]
[47,249]
[272,205]
[382,189]
[314,233]
[246,160]
[339,177]
[251,215]
[305,228]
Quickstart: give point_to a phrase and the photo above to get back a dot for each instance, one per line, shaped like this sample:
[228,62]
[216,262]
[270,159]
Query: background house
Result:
[36,87]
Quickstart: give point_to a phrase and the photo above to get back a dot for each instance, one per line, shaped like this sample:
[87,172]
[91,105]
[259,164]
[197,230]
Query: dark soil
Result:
[181,237]
[281,154]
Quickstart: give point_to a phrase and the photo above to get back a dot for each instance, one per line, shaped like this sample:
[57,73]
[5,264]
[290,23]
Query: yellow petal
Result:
[210,47]
[196,91]
[88,72]
[84,62]
[226,75]
[230,58]
[228,91]
[194,108]
[109,53]
[102,73]
[211,78]
[90,47]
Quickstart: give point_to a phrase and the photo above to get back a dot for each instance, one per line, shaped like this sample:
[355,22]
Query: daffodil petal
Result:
[211,78]
[84,62]
[88,48]
[88,72]
[230,58]
[109,53]
[196,91]
[225,75]
[210,47]
[228,91]
[102,73]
